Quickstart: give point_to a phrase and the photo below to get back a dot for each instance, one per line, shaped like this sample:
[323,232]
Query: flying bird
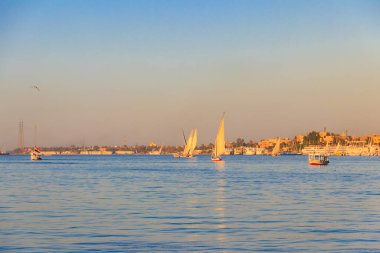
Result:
[36,87]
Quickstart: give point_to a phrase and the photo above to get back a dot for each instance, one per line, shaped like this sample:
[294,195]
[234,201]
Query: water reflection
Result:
[220,165]
[220,205]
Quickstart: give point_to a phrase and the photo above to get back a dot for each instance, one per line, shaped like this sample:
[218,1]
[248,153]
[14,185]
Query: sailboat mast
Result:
[184,137]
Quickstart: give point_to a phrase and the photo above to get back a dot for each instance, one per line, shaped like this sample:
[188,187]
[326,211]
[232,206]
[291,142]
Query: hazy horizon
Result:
[127,72]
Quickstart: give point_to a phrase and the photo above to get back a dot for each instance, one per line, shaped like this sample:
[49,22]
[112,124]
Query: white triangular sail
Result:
[327,148]
[220,143]
[188,144]
[193,141]
[370,142]
[337,149]
[276,149]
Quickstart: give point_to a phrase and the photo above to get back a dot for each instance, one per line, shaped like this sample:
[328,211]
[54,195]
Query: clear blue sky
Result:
[116,72]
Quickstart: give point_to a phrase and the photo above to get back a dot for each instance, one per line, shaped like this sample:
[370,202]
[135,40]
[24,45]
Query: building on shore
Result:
[249,151]
[354,149]
[124,152]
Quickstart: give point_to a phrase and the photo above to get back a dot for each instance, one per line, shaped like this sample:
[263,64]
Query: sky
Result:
[134,72]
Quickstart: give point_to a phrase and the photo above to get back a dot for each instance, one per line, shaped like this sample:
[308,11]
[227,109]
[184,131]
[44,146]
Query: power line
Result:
[21,136]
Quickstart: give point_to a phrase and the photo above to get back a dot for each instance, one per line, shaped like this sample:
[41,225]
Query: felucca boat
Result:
[220,143]
[190,145]
[338,151]
[276,149]
[156,152]
[327,149]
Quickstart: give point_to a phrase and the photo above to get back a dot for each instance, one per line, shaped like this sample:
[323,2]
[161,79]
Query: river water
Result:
[161,204]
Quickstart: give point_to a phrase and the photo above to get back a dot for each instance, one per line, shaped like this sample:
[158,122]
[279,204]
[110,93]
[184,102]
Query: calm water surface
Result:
[161,204]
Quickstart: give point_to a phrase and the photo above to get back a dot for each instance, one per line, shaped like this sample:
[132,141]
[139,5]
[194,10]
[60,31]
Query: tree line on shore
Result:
[294,145]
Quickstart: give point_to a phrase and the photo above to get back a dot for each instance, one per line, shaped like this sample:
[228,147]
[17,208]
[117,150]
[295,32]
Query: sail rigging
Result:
[184,137]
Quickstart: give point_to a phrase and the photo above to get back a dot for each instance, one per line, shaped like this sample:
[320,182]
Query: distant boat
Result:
[2,152]
[338,151]
[156,152]
[220,143]
[276,150]
[373,150]
[327,148]
[318,159]
[188,152]
[190,145]
[35,154]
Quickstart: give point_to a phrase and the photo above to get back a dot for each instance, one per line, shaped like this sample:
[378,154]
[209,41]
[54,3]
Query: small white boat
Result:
[3,152]
[318,159]
[220,143]
[35,154]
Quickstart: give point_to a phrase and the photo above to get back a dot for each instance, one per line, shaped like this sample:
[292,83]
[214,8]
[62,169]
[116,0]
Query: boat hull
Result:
[35,158]
[35,154]
[186,157]
[216,159]
[181,156]
[317,159]
[318,163]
